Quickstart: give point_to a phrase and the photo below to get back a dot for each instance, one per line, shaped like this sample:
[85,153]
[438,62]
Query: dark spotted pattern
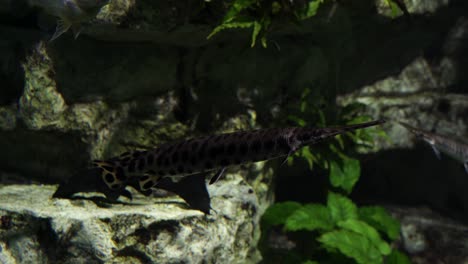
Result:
[210,153]
[150,159]
[141,164]
[144,178]
[120,175]
[175,157]
[148,185]
[108,168]
[185,156]
[109,178]
[131,166]
[125,160]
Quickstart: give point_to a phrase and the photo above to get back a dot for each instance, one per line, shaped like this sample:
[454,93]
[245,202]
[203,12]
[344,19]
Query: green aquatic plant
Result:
[342,229]
[363,234]
[338,231]
[260,15]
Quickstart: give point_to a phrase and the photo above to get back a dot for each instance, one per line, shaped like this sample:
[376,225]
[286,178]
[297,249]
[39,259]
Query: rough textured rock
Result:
[413,6]
[429,237]
[37,229]
[422,94]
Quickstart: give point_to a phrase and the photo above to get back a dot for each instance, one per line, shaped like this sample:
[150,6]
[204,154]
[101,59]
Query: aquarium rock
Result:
[37,229]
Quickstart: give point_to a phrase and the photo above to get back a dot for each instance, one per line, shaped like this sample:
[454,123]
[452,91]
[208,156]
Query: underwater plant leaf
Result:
[397,257]
[310,10]
[279,212]
[263,40]
[368,231]
[310,217]
[381,220]
[344,175]
[353,245]
[236,8]
[396,10]
[230,25]
[299,121]
[341,208]
[256,30]
[339,139]
[308,156]
[275,7]
[322,119]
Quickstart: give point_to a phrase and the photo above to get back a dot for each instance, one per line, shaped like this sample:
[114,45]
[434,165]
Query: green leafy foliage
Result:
[345,173]
[397,6]
[310,217]
[341,208]
[367,231]
[235,18]
[260,15]
[353,245]
[396,257]
[379,218]
[310,10]
[362,234]
[278,213]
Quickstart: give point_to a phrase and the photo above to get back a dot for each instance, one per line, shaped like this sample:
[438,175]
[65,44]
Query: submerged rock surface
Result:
[37,229]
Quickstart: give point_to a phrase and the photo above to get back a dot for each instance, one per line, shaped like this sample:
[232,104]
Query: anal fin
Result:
[218,175]
[192,189]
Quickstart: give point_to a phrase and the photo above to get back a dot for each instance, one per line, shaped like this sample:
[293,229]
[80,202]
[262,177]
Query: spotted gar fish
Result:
[188,162]
[455,149]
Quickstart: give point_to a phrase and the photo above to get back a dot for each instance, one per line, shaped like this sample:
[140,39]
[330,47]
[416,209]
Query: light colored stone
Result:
[160,230]
[413,6]
[415,96]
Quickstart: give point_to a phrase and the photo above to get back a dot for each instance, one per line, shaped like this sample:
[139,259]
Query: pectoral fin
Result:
[218,175]
[291,152]
[466,166]
[436,151]
[192,189]
[61,28]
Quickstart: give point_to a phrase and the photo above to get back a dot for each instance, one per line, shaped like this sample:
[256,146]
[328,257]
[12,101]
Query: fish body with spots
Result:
[186,160]
[456,149]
